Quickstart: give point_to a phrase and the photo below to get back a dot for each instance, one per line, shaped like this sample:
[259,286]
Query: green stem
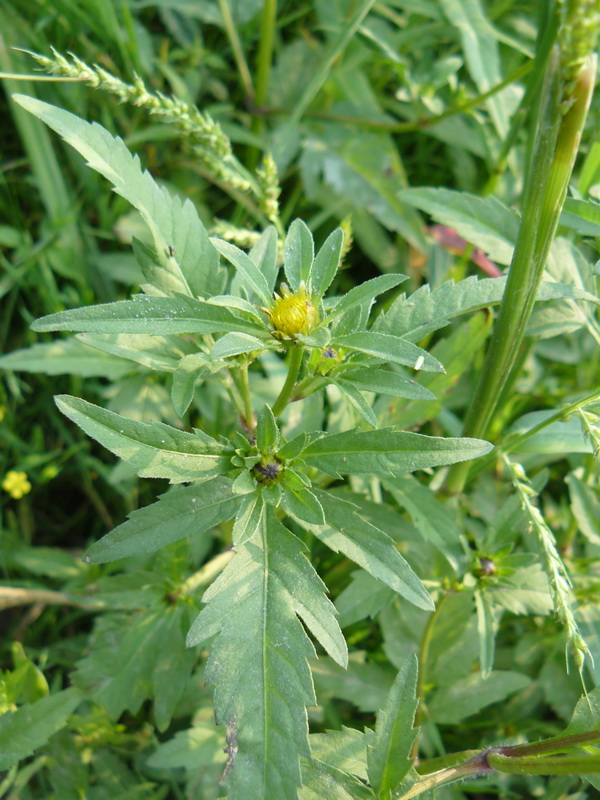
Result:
[249,420]
[236,47]
[265,55]
[552,164]
[296,352]
[561,765]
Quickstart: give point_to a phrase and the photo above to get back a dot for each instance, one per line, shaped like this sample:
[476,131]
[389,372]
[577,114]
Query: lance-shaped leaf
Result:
[235,344]
[298,254]
[347,532]
[185,511]
[326,263]
[155,450]
[389,348]
[150,315]
[365,292]
[357,399]
[389,757]
[249,272]
[258,659]
[387,453]
[264,255]
[161,353]
[180,240]
[65,357]
[382,381]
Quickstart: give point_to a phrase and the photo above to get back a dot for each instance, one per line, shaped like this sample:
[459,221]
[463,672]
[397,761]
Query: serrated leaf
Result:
[357,399]
[482,221]
[149,315]
[386,452]
[235,344]
[185,511]
[258,659]
[251,275]
[389,756]
[65,357]
[381,381]
[467,696]
[298,254]
[389,348]
[267,430]
[365,293]
[347,532]
[155,450]
[326,263]
[180,240]
[30,726]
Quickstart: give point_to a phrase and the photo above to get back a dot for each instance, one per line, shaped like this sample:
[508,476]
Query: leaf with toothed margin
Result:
[155,450]
[258,658]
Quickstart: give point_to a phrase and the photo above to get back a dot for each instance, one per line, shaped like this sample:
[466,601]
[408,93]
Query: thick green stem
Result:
[296,352]
[552,164]
[249,420]
[561,765]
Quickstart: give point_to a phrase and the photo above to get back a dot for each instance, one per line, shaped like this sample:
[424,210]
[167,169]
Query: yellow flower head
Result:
[291,314]
[16,484]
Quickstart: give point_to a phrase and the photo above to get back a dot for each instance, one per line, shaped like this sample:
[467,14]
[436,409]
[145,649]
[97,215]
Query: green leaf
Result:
[237,303]
[581,216]
[155,450]
[258,659]
[162,353]
[345,749]
[586,508]
[321,781]
[175,225]
[389,756]
[185,511]
[302,504]
[326,263]
[149,315]
[383,381]
[264,255]
[365,596]
[562,436]
[389,348]
[249,518]
[267,430]
[365,293]
[467,696]
[366,685]
[482,221]
[486,630]
[357,399]
[200,746]
[235,344]
[249,272]
[347,532]
[189,370]
[30,726]
[298,254]
[386,452]
[65,357]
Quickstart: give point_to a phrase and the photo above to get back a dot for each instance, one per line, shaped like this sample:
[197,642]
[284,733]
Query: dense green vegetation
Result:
[362,344]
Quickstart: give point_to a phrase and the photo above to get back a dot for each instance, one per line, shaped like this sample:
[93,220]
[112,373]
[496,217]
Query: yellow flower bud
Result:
[16,484]
[291,314]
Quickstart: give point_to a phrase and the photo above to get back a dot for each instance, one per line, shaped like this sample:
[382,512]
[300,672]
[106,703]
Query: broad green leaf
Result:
[155,450]
[149,315]
[237,303]
[180,240]
[189,370]
[321,781]
[581,216]
[249,518]
[386,452]
[235,344]
[302,504]
[389,756]
[480,46]
[258,659]
[365,596]
[357,399]
[365,293]
[483,221]
[126,664]
[162,353]
[326,263]
[30,726]
[185,511]
[389,348]
[347,532]
[366,685]
[65,357]
[427,310]
[298,254]
[253,278]
[469,695]
[345,749]
[386,382]
[486,630]
[191,749]
[562,436]
[267,430]
[431,518]
[264,255]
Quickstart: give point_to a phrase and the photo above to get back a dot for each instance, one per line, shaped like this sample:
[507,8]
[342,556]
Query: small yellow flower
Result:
[16,484]
[291,314]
